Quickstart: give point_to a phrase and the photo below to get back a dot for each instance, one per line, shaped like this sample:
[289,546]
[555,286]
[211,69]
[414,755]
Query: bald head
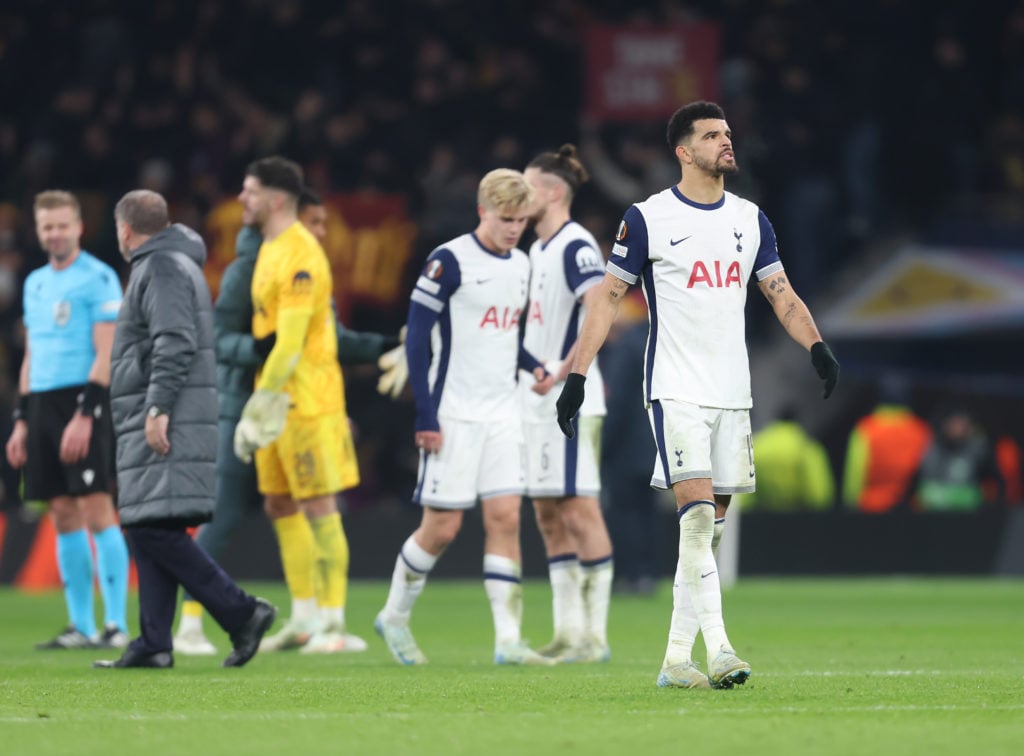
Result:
[143,211]
[138,215]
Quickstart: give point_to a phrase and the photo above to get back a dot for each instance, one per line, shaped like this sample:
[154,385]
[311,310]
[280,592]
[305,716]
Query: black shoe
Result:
[246,641]
[70,638]
[133,658]
[112,637]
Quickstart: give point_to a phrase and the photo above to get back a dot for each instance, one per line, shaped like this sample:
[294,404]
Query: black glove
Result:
[569,402]
[265,345]
[827,366]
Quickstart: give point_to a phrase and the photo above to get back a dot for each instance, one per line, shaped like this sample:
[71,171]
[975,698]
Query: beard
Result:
[717,167]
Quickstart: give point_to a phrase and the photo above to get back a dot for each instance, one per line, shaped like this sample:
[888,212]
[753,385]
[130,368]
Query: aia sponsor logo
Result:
[503,318]
[714,277]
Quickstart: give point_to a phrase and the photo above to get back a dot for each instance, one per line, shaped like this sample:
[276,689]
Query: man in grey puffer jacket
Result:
[164,405]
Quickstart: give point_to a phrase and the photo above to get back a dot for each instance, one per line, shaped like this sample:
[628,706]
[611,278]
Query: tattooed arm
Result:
[602,309]
[790,310]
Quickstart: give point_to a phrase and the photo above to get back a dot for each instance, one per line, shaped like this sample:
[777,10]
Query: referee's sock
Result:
[74,558]
[112,566]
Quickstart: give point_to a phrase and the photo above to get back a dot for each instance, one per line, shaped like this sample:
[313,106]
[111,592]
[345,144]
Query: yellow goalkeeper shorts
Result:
[313,457]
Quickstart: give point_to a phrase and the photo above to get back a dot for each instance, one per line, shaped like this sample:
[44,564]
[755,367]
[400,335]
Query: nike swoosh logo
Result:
[674,242]
[482,280]
[710,573]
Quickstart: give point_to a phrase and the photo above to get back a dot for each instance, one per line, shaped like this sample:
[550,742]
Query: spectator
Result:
[956,466]
[883,454]
[794,472]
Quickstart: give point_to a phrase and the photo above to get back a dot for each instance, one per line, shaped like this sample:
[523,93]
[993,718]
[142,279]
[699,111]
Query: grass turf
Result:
[843,667]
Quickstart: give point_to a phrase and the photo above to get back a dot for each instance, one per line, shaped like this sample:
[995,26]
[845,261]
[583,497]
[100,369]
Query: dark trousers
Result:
[166,558]
[237,494]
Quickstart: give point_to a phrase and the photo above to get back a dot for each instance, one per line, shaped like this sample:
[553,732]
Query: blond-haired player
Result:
[464,351]
[295,421]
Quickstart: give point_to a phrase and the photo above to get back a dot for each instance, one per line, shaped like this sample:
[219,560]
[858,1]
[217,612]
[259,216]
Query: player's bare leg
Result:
[697,591]
[583,519]
[503,580]
[564,574]
[416,558]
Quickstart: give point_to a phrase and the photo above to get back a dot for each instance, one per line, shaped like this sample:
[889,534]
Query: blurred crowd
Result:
[850,120]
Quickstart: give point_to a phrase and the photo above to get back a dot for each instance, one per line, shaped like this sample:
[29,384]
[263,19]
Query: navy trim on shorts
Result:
[659,439]
[417,494]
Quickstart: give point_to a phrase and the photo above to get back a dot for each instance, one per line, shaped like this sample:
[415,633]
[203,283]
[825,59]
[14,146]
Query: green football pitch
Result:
[839,667]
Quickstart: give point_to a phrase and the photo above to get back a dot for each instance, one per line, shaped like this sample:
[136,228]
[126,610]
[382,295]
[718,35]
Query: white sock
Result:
[304,610]
[503,583]
[566,598]
[189,624]
[717,537]
[700,573]
[683,629]
[333,617]
[412,566]
[597,592]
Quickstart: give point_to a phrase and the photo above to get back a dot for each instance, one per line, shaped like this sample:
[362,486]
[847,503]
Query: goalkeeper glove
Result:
[827,366]
[262,421]
[395,369]
[569,402]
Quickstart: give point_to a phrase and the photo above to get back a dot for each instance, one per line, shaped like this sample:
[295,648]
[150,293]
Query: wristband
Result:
[21,408]
[90,401]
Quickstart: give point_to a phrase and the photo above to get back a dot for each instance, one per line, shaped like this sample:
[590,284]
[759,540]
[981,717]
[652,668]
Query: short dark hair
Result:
[144,212]
[564,164]
[309,198]
[277,172]
[680,125]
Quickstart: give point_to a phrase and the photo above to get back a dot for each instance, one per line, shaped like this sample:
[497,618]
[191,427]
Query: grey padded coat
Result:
[163,357]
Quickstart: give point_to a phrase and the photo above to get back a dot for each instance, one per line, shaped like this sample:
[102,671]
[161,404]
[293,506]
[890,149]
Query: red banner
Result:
[643,72]
[369,244]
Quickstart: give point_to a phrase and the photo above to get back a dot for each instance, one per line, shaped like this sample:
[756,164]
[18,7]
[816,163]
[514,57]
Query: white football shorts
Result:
[702,442]
[557,466]
[476,461]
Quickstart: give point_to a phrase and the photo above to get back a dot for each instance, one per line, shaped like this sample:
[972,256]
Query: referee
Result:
[62,435]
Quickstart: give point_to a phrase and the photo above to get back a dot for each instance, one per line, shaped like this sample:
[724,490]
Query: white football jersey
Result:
[561,271]
[695,262]
[479,296]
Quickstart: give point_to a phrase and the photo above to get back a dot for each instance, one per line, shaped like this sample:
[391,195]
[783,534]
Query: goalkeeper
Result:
[238,356]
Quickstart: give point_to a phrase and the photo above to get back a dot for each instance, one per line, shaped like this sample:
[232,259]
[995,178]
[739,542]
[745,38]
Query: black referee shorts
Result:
[46,477]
